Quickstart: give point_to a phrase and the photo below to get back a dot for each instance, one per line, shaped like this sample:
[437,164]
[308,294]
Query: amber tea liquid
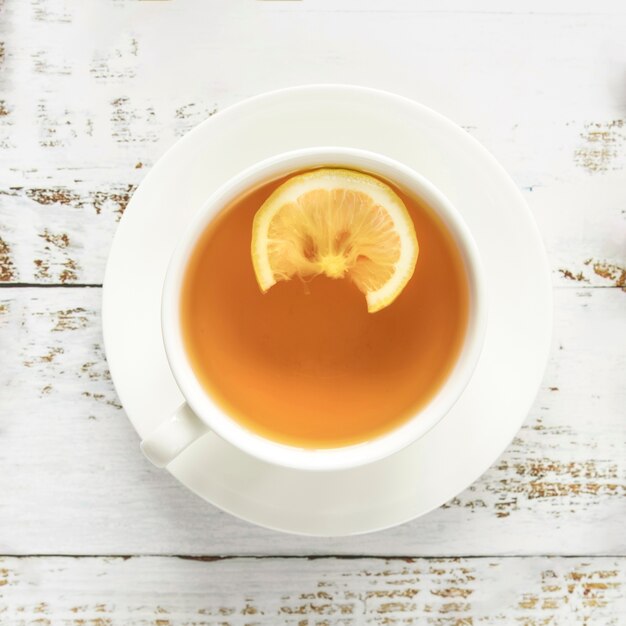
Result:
[305,364]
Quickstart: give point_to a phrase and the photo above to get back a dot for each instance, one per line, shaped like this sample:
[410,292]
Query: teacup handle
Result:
[174,435]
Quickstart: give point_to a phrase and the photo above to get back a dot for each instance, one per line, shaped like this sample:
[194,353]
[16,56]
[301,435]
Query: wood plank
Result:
[73,480]
[160,591]
[69,164]
[61,235]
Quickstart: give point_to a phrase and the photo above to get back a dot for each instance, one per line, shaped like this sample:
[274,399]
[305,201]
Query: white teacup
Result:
[200,413]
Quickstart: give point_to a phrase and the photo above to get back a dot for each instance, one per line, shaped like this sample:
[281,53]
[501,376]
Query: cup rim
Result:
[225,426]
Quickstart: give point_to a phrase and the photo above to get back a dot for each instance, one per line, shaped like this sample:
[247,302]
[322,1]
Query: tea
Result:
[305,364]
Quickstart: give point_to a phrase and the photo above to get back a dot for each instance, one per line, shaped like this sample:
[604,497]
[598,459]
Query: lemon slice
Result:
[339,223]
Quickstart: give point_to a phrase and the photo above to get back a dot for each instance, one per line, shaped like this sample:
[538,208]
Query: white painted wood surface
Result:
[236,592]
[83,488]
[90,95]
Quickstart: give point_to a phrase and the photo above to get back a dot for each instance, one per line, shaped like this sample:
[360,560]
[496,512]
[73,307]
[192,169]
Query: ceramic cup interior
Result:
[208,411]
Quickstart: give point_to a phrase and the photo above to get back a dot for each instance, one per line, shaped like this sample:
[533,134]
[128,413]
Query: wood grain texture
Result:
[322,592]
[91,94]
[84,488]
[70,164]
[61,234]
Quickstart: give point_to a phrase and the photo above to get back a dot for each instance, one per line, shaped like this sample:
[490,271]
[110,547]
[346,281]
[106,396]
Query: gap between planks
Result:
[50,285]
[208,558]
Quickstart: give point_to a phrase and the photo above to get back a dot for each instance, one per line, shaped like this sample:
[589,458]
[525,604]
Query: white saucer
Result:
[468,440]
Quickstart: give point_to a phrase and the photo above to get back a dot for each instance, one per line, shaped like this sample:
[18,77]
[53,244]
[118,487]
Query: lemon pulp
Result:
[340,223]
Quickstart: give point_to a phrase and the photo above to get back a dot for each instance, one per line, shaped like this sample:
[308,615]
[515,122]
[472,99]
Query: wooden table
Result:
[91,94]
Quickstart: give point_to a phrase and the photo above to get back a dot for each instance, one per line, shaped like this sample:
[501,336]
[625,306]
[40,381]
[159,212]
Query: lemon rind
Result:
[329,179]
